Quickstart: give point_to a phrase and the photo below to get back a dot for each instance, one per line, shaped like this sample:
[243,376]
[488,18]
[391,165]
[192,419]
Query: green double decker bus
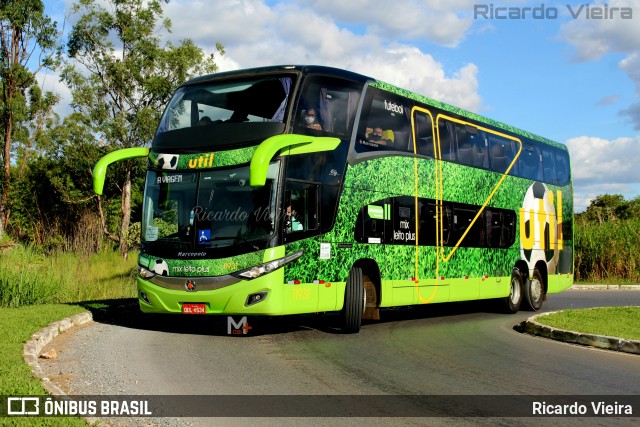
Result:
[308,189]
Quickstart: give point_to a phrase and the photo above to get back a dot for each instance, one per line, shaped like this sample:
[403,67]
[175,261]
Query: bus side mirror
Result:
[290,144]
[100,169]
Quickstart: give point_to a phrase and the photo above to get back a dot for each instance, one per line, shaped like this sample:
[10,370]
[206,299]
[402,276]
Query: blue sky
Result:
[573,80]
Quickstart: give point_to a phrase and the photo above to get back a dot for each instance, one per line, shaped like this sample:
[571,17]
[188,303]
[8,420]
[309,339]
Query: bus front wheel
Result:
[534,291]
[354,301]
[513,301]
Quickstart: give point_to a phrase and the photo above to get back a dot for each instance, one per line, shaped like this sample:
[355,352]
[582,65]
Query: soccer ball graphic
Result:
[539,239]
[160,267]
[167,161]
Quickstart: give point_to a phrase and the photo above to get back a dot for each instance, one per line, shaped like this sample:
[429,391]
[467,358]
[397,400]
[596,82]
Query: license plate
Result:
[191,308]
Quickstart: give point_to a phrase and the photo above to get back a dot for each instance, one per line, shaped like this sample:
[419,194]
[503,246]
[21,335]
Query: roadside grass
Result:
[621,322]
[28,277]
[16,327]
[607,251]
[37,290]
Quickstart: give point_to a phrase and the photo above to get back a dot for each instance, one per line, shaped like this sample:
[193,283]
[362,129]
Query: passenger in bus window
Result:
[374,134]
[311,119]
[292,222]
[204,121]
[379,136]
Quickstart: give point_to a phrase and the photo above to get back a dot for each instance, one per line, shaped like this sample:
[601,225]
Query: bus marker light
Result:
[293,282]
[465,277]
[484,278]
[255,298]
[328,285]
[145,298]
[318,282]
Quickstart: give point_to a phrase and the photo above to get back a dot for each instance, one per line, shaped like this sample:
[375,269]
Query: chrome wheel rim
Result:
[515,291]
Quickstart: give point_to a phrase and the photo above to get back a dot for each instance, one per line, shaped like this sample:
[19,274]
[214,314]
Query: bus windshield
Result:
[209,209]
[258,100]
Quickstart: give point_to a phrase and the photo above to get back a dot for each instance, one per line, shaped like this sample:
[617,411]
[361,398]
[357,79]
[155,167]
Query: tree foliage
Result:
[610,208]
[27,42]
[121,75]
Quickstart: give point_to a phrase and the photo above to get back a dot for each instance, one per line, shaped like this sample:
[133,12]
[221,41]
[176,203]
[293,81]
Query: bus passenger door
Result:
[432,219]
[301,221]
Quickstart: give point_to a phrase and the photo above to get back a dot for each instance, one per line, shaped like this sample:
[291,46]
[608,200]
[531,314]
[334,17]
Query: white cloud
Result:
[441,22]
[594,38]
[633,112]
[229,22]
[631,65]
[308,32]
[50,81]
[412,69]
[596,161]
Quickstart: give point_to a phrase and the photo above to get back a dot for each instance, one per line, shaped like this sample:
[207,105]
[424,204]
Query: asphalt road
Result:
[464,349]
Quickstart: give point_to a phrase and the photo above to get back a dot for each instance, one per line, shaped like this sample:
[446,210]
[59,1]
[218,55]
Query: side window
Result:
[501,153]
[423,132]
[327,106]
[548,165]
[462,219]
[404,221]
[446,137]
[374,223]
[429,232]
[501,227]
[530,162]
[562,168]
[385,123]
[300,207]
[471,146]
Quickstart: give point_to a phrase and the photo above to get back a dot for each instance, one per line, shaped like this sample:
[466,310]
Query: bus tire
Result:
[533,291]
[513,301]
[354,300]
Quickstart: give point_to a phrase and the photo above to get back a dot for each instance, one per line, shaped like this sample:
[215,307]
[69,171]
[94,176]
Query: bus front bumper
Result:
[260,296]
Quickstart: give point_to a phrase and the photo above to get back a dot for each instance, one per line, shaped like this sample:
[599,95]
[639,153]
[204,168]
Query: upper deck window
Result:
[385,123]
[327,106]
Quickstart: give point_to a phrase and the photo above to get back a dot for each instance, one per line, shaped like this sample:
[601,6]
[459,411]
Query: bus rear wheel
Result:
[354,301]
[513,301]
[534,291]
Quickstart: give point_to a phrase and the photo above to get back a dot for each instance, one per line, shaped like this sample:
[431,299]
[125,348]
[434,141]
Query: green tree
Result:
[121,75]
[28,39]
[610,208]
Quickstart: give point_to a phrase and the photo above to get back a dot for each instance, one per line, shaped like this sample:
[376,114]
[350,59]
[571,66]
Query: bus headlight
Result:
[145,273]
[266,268]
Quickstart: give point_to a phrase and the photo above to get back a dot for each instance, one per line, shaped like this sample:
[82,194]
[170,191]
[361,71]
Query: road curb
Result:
[32,349]
[606,287]
[532,327]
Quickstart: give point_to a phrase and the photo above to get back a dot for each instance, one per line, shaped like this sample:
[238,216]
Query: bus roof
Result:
[362,79]
[302,69]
